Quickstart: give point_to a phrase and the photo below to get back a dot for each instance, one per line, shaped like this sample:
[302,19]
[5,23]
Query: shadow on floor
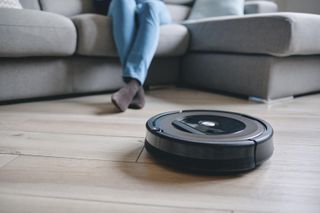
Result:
[158,173]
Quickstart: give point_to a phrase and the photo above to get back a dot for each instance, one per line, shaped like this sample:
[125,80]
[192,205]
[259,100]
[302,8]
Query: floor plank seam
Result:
[71,158]
[9,152]
[75,158]
[115,202]
[140,154]
[65,133]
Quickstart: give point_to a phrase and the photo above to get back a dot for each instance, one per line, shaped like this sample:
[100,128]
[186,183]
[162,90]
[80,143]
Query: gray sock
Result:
[123,97]
[138,101]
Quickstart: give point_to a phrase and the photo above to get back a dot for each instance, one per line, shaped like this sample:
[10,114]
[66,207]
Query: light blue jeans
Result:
[136,29]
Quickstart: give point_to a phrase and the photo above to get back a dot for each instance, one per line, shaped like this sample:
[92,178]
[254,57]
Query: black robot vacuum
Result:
[209,141]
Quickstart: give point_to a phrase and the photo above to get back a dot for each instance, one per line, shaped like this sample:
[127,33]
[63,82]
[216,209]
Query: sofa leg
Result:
[270,101]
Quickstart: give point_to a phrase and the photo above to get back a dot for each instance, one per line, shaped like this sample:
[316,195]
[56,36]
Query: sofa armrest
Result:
[252,7]
[277,34]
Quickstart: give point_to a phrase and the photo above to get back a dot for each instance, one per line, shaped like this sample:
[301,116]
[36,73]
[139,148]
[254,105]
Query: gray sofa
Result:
[57,47]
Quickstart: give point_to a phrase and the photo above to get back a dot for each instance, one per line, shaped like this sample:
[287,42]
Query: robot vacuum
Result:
[209,141]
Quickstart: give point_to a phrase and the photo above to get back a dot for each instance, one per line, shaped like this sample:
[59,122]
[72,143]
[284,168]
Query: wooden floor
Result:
[78,155]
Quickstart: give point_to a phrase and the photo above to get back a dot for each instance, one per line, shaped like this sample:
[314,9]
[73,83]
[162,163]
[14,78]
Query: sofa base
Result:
[273,101]
[260,76]
[25,78]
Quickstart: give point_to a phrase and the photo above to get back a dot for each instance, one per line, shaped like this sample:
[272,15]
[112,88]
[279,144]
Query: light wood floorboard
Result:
[31,204]
[5,159]
[78,155]
[268,188]
[71,146]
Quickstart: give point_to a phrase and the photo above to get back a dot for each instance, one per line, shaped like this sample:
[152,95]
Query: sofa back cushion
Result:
[182,2]
[14,4]
[179,8]
[30,4]
[213,8]
[68,7]
[178,12]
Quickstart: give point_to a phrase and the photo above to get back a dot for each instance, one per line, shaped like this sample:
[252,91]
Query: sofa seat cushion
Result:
[95,37]
[27,33]
[277,34]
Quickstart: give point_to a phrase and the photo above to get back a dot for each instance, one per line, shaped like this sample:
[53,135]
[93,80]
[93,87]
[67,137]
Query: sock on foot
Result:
[123,97]
[138,101]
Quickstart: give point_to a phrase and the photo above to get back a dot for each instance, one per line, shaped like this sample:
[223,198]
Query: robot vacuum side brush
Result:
[209,141]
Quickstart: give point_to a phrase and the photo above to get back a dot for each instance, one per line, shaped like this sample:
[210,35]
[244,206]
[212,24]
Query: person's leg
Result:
[150,15]
[123,14]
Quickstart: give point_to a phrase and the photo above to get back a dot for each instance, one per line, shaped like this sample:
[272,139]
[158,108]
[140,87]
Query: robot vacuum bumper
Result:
[209,141]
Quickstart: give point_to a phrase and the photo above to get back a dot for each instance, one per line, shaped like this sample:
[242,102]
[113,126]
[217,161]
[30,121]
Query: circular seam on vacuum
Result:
[254,129]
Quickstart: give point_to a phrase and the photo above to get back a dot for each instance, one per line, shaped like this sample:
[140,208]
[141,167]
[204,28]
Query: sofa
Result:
[56,48]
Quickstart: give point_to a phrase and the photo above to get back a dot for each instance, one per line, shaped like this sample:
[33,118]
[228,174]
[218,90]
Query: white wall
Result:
[304,6]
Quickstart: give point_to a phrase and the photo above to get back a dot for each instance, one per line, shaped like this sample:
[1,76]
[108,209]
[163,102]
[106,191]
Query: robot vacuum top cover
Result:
[209,141]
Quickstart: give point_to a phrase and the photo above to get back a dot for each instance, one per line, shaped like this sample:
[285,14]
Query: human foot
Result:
[123,97]
[138,101]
